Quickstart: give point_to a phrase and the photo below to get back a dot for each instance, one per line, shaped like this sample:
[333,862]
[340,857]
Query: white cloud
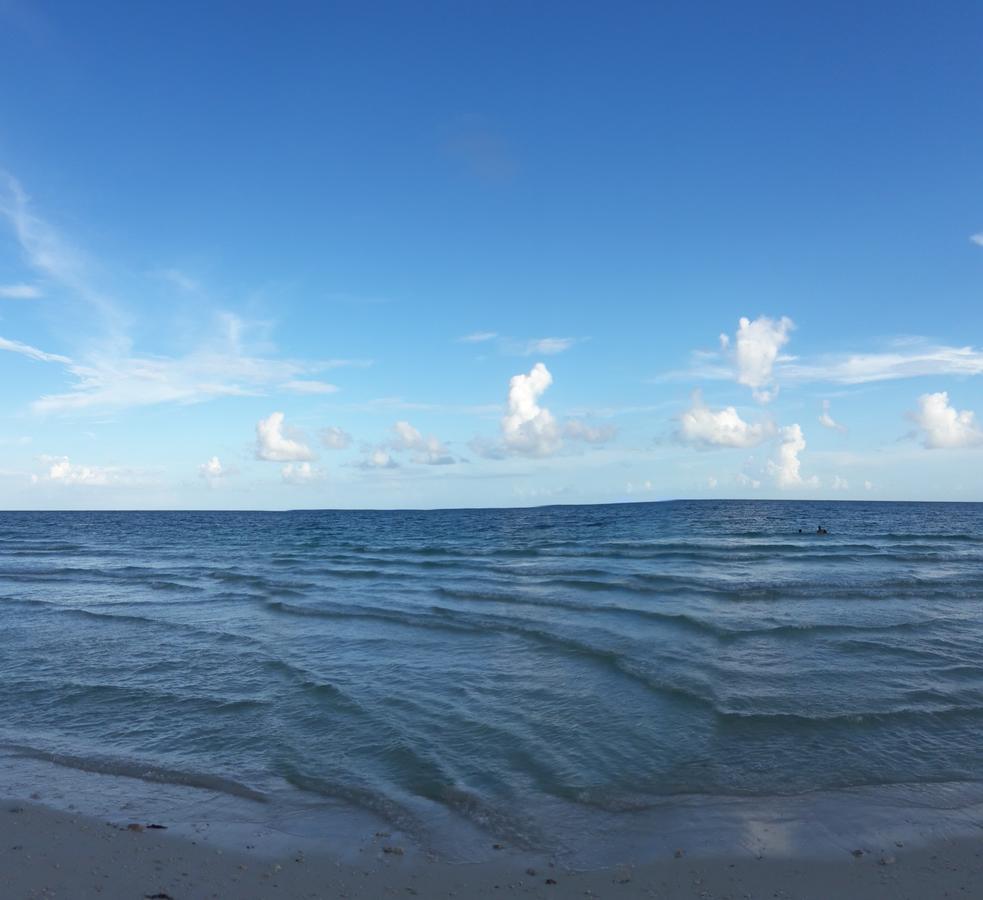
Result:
[478,337]
[827,421]
[747,481]
[60,470]
[272,444]
[755,353]
[429,450]
[32,352]
[212,469]
[576,430]
[49,254]
[839,484]
[977,239]
[19,292]
[182,281]
[642,488]
[711,481]
[528,428]
[724,428]
[786,469]
[309,387]
[911,358]
[943,426]
[548,346]
[301,473]
[335,438]
[378,459]
[868,485]
[907,358]
[107,374]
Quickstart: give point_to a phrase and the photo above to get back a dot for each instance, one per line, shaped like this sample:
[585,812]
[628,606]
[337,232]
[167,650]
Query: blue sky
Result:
[469,254]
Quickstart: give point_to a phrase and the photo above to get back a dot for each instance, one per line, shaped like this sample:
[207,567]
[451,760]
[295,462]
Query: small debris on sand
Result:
[134,826]
[551,881]
[679,854]
[530,871]
[393,851]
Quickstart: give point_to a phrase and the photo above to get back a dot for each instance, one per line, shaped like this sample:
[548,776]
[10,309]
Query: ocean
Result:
[539,677]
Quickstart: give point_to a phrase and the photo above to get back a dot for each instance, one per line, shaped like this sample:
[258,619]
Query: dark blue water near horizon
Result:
[500,665]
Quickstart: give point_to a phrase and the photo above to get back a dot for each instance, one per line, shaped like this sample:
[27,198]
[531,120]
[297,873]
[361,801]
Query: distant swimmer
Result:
[821,530]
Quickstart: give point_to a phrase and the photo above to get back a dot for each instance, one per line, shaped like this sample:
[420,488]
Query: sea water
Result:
[530,675]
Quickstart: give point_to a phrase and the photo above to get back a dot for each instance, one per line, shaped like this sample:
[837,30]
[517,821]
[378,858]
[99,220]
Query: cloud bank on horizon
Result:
[446,298]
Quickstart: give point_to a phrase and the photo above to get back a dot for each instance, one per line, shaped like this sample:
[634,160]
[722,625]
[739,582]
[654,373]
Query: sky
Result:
[446,254]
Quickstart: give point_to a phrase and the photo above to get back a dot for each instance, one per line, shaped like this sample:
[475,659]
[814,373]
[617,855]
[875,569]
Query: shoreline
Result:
[51,853]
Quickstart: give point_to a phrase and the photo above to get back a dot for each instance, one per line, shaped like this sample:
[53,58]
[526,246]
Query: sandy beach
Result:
[49,853]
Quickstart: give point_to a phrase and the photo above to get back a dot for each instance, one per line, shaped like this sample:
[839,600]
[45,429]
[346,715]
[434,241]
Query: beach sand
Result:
[47,853]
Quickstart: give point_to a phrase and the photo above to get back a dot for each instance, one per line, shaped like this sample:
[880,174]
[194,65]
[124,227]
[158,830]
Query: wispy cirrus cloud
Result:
[827,421]
[512,346]
[32,352]
[907,357]
[20,291]
[298,386]
[52,257]
[105,381]
[106,373]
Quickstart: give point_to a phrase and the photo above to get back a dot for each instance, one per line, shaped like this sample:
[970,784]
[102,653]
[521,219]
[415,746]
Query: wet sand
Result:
[47,853]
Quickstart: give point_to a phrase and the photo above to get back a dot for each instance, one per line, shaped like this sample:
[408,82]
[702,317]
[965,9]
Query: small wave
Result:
[129,768]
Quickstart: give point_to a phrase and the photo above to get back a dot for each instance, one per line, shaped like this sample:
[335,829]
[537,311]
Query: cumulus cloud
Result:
[785,469]
[755,352]
[298,386]
[944,427]
[429,450]
[212,469]
[868,485]
[19,292]
[839,484]
[705,427]
[335,438]
[60,470]
[274,445]
[378,459]
[301,473]
[641,488]
[746,480]
[530,429]
[827,421]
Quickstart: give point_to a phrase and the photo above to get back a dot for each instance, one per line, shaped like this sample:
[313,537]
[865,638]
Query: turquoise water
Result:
[507,668]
